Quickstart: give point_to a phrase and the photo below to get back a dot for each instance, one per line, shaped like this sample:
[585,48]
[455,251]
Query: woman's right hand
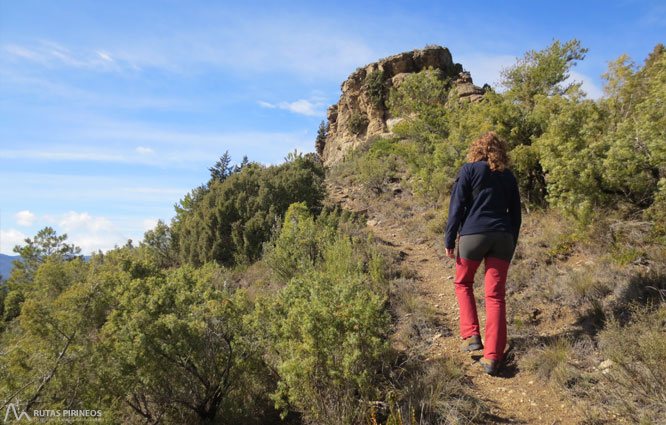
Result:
[450,253]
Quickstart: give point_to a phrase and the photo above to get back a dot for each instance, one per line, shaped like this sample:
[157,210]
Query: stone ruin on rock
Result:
[361,112]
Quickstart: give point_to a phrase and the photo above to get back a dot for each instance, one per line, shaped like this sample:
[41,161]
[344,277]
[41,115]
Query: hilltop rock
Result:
[361,112]
[465,88]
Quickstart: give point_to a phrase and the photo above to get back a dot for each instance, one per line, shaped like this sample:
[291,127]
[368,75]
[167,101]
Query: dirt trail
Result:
[515,396]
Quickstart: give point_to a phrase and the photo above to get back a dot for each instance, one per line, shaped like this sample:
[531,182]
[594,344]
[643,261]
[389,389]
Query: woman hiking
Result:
[485,211]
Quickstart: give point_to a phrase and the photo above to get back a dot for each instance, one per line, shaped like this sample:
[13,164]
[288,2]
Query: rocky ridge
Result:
[362,113]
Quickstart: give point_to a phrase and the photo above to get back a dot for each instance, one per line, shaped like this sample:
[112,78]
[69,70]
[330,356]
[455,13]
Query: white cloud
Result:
[149,223]
[24,218]
[90,243]
[73,221]
[144,150]
[90,233]
[9,239]
[588,84]
[301,106]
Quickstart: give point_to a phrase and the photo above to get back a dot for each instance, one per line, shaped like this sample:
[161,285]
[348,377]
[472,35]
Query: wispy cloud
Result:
[22,52]
[656,15]
[259,44]
[301,106]
[45,87]
[144,150]
[175,147]
[309,52]
[124,193]
[62,155]
[266,104]
[52,54]
[105,56]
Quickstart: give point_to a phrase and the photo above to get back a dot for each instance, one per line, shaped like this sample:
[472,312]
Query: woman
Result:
[485,211]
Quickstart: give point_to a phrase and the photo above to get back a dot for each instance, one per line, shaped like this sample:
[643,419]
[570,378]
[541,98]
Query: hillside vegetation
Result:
[264,301]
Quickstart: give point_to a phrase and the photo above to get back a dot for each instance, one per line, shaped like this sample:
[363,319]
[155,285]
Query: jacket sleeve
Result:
[459,198]
[514,209]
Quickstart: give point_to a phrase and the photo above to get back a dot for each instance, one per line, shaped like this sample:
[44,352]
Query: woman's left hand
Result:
[450,253]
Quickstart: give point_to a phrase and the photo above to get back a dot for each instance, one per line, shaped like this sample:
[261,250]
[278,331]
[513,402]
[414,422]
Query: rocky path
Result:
[515,396]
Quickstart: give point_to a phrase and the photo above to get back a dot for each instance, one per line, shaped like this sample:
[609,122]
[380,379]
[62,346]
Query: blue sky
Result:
[110,112]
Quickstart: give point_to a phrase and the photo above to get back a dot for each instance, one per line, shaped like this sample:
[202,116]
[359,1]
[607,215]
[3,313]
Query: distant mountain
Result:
[6,265]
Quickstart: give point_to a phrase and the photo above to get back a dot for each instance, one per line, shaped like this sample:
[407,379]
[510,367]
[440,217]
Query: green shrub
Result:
[657,212]
[424,93]
[235,217]
[374,83]
[298,247]
[564,245]
[12,305]
[328,336]
[177,346]
[358,123]
[376,172]
[326,331]
[571,153]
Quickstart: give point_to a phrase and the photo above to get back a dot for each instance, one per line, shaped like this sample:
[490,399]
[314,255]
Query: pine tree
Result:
[222,168]
[320,142]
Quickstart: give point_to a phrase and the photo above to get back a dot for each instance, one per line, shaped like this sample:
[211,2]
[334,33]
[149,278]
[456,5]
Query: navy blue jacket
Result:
[483,201]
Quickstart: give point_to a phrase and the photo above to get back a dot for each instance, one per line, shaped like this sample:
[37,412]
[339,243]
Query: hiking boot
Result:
[472,343]
[490,366]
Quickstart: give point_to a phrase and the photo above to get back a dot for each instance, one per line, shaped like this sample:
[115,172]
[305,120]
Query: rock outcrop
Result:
[361,112]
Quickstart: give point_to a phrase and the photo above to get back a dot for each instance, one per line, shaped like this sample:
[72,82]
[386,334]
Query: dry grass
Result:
[431,392]
[551,362]
[622,379]
[415,320]
[596,276]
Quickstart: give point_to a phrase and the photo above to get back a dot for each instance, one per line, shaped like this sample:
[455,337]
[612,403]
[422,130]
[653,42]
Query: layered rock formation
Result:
[361,112]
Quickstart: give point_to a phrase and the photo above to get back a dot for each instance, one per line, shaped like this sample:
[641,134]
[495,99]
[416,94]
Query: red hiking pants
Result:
[495,282]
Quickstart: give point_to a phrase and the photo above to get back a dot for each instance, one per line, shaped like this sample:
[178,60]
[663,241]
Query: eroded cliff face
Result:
[361,112]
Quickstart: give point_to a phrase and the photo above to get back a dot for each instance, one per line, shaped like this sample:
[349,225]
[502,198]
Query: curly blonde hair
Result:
[489,147]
